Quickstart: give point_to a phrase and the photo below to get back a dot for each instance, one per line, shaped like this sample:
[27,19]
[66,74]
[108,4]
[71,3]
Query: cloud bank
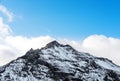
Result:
[12,47]
[102,46]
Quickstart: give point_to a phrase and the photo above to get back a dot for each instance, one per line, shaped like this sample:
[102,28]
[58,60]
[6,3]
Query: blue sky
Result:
[72,19]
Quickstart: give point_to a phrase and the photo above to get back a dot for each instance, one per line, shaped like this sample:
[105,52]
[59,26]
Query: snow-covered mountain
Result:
[57,62]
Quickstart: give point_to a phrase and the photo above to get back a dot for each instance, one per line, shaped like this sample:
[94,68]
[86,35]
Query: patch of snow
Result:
[108,65]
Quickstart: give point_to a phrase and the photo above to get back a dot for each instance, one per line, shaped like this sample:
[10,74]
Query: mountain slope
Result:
[57,62]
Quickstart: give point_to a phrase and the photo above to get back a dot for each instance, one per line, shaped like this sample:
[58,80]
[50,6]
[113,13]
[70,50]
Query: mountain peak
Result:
[53,43]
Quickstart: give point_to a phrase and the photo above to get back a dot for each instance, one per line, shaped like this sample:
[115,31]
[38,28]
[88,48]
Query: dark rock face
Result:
[57,62]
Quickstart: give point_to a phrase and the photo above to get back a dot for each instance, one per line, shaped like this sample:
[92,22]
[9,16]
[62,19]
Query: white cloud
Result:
[7,54]
[16,46]
[4,28]
[6,12]
[23,43]
[102,46]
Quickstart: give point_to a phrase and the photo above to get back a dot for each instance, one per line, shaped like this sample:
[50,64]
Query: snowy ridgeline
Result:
[57,62]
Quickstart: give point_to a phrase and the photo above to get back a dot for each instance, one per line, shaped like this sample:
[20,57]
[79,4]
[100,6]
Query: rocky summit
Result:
[57,62]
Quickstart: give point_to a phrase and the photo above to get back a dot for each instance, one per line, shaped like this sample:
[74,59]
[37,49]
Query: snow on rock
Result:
[57,62]
[108,65]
